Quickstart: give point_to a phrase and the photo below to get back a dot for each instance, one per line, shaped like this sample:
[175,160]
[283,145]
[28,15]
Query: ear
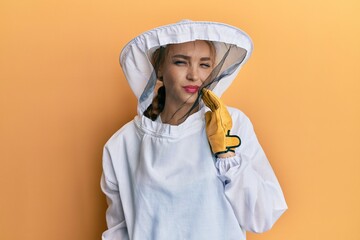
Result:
[160,75]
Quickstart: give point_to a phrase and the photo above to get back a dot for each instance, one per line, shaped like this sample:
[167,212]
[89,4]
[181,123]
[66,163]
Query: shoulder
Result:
[115,150]
[238,115]
[121,135]
[241,122]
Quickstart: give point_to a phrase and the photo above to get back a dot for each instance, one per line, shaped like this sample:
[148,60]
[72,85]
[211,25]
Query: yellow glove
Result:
[218,125]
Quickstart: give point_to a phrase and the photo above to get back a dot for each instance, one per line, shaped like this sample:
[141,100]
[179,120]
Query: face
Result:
[186,66]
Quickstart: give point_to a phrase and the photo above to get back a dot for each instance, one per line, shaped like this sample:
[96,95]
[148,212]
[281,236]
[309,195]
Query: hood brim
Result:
[135,58]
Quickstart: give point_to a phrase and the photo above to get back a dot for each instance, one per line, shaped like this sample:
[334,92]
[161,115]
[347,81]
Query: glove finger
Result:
[210,99]
[232,141]
[207,118]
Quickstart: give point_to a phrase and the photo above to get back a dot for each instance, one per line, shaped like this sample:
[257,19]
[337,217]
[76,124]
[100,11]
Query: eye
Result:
[205,65]
[180,62]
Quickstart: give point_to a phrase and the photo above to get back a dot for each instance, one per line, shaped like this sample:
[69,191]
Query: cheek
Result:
[172,76]
[205,73]
[169,82]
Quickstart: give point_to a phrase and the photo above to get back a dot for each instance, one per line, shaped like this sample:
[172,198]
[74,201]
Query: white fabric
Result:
[162,182]
[134,57]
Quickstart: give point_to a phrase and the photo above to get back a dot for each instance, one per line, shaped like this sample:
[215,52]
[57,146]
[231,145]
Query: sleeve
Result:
[250,184]
[115,218]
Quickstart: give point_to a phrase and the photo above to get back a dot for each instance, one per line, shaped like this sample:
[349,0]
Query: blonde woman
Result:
[187,166]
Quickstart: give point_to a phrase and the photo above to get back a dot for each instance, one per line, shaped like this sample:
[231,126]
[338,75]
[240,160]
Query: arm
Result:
[115,218]
[250,183]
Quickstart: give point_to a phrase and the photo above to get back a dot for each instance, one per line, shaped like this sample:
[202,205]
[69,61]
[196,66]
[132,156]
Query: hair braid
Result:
[157,105]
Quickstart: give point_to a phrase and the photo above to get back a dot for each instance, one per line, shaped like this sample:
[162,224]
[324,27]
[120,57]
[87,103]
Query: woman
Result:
[182,170]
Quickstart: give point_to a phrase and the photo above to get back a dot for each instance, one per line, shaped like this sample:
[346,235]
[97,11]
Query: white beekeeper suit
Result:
[162,181]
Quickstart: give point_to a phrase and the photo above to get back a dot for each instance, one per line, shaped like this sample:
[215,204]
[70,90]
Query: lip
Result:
[191,88]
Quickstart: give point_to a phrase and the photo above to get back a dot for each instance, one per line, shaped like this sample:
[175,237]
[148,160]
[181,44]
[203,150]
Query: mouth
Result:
[191,88]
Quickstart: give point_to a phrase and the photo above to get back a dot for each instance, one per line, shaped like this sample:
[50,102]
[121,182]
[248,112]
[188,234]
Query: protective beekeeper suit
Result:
[163,182]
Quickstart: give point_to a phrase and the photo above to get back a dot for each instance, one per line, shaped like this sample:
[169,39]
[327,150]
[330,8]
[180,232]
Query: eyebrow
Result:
[188,57]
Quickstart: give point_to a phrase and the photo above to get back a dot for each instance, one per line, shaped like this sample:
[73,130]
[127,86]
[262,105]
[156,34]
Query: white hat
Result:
[135,58]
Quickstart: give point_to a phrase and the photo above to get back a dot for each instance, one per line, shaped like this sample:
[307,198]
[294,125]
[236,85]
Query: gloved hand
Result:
[218,125]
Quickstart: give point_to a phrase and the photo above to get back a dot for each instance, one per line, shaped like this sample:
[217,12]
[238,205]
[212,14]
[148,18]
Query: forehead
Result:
[194,48]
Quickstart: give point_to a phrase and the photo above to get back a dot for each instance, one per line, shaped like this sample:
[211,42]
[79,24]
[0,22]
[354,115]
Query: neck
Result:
[176,116]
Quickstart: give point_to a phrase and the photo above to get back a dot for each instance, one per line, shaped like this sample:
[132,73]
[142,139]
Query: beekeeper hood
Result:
[233,47]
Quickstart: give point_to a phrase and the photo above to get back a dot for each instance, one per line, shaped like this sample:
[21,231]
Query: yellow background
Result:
[62,95]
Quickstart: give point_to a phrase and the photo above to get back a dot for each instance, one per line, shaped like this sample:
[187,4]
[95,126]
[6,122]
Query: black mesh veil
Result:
[228,60]
[216,75]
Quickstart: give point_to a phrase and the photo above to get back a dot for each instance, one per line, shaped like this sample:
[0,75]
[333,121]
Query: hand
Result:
[218,125]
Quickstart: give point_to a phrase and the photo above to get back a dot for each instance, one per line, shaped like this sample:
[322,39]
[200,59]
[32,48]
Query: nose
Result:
[192,74]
